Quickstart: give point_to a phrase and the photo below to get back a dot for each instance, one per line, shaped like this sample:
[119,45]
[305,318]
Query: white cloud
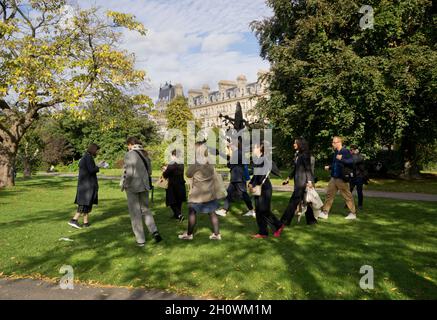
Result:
[191,41]
[220,42]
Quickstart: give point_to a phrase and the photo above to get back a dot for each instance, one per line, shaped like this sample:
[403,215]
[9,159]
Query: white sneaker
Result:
[221,212]
[185,236]
[351,216]
[299,216]
[215,236]
[323,215]
[250,213]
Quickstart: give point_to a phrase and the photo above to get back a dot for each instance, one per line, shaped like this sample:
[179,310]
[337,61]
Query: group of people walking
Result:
[205,185]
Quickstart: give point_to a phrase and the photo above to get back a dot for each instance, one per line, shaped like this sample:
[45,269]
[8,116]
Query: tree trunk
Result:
[7,178]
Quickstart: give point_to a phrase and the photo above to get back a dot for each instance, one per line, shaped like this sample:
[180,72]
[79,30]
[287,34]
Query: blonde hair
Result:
[338,138]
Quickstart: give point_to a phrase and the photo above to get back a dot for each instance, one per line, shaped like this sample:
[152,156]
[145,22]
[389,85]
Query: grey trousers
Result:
[138,204]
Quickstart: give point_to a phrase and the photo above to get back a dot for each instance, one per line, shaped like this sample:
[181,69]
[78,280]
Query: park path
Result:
[31,289]
[368,193]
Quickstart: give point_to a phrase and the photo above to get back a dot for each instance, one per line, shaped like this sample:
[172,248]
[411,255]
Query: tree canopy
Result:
[374,86]
[53,55]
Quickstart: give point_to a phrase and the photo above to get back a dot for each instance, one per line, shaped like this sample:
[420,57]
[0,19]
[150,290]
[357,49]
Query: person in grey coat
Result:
[87,186]
[137,183]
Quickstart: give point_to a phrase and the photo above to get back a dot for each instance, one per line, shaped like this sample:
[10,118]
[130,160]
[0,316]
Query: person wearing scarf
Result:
[136,181]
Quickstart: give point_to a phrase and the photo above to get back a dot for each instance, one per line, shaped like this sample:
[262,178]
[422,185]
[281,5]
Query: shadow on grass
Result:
[316,262]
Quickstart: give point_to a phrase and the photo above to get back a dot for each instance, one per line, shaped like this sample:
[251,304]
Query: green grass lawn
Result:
[428,184]
[319,262]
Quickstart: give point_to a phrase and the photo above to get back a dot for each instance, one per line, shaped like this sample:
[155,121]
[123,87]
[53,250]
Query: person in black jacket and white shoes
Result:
[303,176]
[237,185]
[263,203]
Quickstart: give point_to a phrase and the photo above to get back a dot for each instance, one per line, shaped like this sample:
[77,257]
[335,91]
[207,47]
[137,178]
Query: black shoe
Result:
[157,237]
[181,218]
[86,225]
[74,224]
[360,208]
[312,222]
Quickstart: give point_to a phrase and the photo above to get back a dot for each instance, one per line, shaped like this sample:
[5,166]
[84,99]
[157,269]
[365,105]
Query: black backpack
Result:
[347,173]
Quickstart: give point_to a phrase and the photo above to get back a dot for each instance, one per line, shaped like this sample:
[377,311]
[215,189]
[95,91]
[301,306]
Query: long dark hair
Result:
[302,146]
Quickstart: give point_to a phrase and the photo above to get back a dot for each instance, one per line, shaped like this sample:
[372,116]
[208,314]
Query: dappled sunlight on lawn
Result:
[307,262]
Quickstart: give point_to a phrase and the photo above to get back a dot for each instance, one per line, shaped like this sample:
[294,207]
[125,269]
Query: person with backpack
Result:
[341,172]
[137,183]
[239,177]
[303,177]
[360,176]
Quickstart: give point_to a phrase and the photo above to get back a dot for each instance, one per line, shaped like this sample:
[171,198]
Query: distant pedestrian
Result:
[87,187]
[137,183]
[360,176]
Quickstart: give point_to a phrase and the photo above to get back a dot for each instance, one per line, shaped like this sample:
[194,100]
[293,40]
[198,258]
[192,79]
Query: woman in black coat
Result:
[87,187]
[303,176]
[176,192]
[263,203]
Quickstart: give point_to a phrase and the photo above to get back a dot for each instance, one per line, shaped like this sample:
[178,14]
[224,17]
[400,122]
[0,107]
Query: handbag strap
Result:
[264,180]
[145,164]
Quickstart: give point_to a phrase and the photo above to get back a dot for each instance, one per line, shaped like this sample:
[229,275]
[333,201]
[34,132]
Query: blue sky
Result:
[192,42]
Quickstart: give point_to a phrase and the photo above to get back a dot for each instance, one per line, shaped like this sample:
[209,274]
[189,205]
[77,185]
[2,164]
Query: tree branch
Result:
[25,18]
[3,5]
[4,105]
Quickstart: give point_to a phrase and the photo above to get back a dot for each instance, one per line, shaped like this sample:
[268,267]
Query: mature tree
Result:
[376,86]
[54,55]
[107,120]
[178,113]
[114,117]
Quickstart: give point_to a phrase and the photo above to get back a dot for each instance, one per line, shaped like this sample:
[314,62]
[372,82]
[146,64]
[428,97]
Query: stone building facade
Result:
[167,93]
[207,106]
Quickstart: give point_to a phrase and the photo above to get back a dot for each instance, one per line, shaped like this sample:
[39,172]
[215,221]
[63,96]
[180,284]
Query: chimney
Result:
[179,92]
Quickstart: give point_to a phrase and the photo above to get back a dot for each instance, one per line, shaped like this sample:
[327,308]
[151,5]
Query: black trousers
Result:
[295,200]
[177,209]
[239,187]
[264,215]
[358,182]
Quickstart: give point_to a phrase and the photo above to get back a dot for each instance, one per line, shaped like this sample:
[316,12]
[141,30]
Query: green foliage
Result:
[51,56]
[178,114]
[30,152]
[108,121]
[376,87]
